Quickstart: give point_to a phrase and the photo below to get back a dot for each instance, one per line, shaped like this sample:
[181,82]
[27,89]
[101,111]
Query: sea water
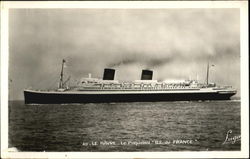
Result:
[113,127]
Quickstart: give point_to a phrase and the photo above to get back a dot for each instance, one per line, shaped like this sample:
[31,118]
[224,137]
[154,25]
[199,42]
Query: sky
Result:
[174,43]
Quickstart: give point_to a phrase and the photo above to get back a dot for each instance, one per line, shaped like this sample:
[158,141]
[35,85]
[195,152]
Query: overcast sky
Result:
[175,43]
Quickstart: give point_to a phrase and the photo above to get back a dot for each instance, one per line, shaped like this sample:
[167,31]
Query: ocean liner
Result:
[107,90]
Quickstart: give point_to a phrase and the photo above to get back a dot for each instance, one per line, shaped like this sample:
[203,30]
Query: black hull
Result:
[59,98]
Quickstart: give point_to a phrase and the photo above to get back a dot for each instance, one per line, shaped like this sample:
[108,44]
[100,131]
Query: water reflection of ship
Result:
[107,89]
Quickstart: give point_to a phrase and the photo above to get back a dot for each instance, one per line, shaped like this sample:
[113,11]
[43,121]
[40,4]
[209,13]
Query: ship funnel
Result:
[147,75]
[108,74]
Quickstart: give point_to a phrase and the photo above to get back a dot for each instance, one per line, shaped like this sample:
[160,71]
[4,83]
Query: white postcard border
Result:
[243,5]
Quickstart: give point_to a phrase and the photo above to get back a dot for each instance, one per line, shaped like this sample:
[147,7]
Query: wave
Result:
[12,149]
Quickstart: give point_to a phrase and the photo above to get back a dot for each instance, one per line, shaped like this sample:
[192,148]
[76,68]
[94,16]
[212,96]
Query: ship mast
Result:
[208,67]
[61,75]
[207,72]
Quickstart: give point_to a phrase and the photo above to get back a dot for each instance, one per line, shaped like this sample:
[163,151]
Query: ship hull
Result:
[36,97]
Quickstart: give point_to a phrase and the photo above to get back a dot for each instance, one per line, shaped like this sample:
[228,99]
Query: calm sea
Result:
[161,126]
